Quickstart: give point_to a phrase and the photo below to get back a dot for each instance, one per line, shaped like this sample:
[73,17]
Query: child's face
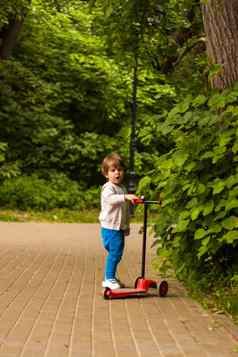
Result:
[115,174]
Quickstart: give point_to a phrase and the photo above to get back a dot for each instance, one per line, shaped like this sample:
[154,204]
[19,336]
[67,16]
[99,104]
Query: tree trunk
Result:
[8,37]
[220,19]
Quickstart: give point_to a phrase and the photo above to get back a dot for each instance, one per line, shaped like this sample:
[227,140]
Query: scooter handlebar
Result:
[141,200]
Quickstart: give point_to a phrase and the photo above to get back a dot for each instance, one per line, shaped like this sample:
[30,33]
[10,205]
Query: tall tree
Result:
[12,15]
[221,27]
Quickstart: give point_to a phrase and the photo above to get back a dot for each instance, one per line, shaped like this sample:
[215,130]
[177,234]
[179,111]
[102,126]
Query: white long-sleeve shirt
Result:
[114,208]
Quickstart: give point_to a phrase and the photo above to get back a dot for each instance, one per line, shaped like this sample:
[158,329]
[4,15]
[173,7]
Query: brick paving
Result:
[51,301]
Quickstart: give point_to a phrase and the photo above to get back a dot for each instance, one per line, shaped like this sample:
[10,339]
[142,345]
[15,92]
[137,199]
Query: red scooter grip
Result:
[137,201]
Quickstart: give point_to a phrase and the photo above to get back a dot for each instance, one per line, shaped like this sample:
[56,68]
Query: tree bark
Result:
[8,37]
[220,18]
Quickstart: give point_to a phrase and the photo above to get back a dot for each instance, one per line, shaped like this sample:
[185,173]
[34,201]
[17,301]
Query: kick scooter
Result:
[142,285]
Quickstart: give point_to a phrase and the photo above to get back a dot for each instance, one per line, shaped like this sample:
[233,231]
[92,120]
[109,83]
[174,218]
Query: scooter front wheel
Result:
[163,288]
[107,293]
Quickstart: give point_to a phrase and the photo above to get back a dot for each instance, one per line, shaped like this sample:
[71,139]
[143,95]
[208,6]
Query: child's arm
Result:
[116,198]
[130,197]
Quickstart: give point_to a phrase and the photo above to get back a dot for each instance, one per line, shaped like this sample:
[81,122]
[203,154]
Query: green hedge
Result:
[32,192]
[197,231]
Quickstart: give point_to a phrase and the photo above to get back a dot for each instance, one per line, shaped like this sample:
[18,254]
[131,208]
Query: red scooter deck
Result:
[124,292]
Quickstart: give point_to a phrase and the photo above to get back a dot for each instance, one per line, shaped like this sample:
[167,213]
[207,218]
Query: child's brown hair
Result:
[110,160]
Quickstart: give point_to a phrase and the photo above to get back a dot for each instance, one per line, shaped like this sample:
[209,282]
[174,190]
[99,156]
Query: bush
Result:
[32,192]
[198,182]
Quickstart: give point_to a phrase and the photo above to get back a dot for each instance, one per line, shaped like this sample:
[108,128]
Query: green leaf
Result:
[192,203]
[200,233]
[190,166]
[179,158]
[203,249]
[230,237]
[207,155]
[184,214]
[195,212]
[166,128]
[166,164]
[235,147]
[201,188]
[215,228]
[218,186]
[182,226]
[144,184]
[225,138]
[230,223]
[232,109]
[182,107]
[232,180]
[231,204]
[219,216]
[233,192]
[208,208]
[219,206]
[199,100]
[218,153]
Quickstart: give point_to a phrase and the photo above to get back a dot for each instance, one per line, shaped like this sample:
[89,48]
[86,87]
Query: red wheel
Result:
[107,293]
[163,288]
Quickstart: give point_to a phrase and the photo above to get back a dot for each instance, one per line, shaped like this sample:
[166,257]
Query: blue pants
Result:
[113,242]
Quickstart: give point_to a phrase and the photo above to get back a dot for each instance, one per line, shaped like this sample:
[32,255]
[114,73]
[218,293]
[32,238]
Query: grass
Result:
[220,300]
[55,215]
[62,215]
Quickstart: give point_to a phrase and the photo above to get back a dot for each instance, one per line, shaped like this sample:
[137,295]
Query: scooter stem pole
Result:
[144,241]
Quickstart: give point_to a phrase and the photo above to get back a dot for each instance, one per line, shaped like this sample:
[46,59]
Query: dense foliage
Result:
[58,108]
[198,184]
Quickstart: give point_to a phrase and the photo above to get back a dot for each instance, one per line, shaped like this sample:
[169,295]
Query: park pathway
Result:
[51,303]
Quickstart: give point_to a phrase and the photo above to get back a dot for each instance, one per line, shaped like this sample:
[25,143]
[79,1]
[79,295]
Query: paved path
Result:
[51,303]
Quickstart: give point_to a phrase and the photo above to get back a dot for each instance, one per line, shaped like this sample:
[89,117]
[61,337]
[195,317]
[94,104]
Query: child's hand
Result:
[130,197]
